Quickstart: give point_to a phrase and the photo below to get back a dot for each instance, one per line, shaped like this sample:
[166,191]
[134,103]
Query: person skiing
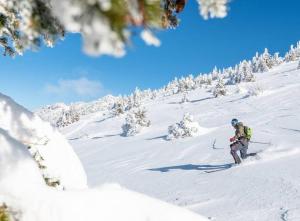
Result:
[239,142]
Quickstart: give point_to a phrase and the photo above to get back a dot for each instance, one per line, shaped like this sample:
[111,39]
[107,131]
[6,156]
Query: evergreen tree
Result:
[246,71]
[276,59]
[134,100]
[209,79]
[242,72]
[220,89]
[291,55]
[172,87]
[119,107]
[186,84]
[262,65]
[232,73]
[136,119]
[104,25]
[26,24]
[198,81]
[267,59]
[255,63]
[68,117]
[215,74]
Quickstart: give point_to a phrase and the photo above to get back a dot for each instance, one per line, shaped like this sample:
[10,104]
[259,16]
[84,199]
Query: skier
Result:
[240,141]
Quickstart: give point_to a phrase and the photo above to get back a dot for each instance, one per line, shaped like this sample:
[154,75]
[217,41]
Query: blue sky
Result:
[65,74]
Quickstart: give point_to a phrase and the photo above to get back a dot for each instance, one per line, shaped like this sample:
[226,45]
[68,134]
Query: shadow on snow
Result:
[205,167]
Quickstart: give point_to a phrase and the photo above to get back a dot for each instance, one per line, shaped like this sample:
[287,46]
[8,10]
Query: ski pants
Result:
[240,145]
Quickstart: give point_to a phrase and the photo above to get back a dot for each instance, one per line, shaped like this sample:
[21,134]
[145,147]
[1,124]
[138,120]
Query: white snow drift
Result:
[23,188]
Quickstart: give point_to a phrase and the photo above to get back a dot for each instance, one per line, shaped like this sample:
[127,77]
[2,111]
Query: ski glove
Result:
[232,139]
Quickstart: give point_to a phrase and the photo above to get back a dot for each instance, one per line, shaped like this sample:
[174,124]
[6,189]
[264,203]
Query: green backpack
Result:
[248,132]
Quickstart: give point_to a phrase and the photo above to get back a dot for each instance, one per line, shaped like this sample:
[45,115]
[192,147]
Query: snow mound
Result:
[58,156]
[18,172]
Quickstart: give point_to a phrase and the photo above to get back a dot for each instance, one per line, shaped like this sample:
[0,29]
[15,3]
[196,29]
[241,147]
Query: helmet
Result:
[234,122]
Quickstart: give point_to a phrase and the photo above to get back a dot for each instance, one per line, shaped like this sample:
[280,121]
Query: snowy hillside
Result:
[196,172]
[42,179]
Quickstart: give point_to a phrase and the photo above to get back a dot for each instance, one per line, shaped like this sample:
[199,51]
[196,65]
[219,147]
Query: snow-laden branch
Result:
[105,25]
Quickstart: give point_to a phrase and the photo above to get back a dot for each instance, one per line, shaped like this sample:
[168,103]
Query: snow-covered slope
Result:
[24,191]
[193,172]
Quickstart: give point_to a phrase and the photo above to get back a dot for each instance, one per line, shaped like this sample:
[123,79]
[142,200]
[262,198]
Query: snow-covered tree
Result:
[186,83]
[242,72]
[119,107]
[26,24]
[185,128]
[135,99]
[267,59]
[255,63]
[291,55]
[104,25]
[209,79]
[277,60]
[215,74]
[262,65]
[213,8]
[220,89]
[246,71]
[185,98]
[199,81]
[154,94]
[172,87]
[136,119]
[68,117]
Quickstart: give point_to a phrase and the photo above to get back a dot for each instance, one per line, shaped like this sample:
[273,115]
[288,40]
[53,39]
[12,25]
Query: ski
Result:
[220,169]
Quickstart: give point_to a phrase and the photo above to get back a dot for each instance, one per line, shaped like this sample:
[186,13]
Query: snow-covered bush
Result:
[7,213]
[185,128]
[184,98]
[220,89]
[68,117]
[119,107]
[136,119]
[255,90]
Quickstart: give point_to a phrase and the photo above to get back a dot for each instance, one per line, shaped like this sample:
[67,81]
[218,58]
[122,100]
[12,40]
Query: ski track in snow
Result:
[194,172]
